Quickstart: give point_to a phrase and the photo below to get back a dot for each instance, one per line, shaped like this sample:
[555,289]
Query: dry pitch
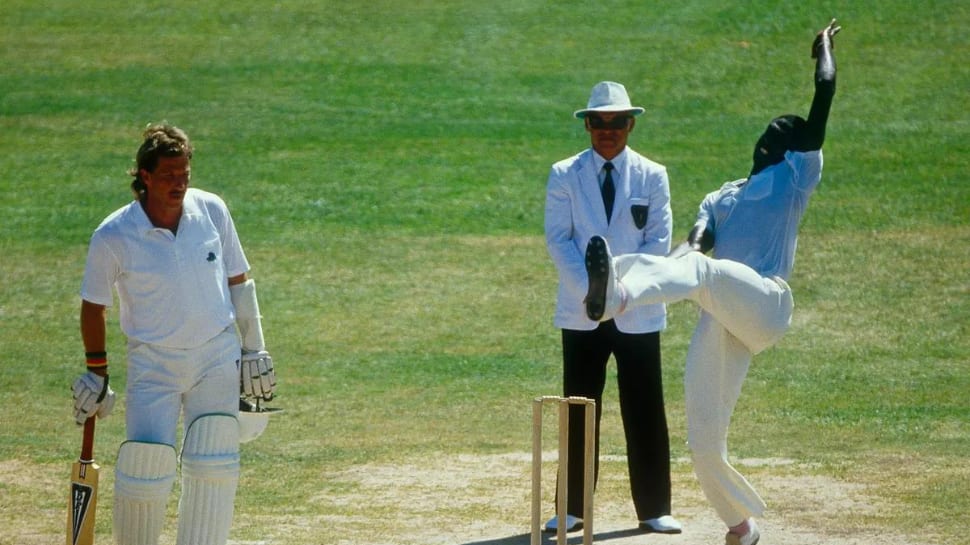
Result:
[801,508]
[427,503]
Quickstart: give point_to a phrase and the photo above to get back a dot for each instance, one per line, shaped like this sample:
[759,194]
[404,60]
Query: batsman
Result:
[195,345]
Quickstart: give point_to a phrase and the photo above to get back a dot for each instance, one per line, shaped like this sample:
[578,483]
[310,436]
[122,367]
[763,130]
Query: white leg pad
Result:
[144,474]
[210,473]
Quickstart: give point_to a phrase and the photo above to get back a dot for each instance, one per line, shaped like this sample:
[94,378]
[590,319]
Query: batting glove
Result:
[92,396]
[256,374]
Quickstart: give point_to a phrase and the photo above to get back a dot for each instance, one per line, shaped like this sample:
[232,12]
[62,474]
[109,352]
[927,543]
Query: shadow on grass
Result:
[547,539]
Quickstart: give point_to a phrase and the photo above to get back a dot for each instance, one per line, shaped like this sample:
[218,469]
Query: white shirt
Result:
[755,221]
[618,162]
[173,290]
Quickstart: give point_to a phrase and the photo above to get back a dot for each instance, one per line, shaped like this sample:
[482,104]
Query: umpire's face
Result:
[608,132]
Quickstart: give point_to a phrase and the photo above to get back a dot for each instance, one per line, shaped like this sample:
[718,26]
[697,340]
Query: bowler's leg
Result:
[755,309]
[633,280]
[717,364]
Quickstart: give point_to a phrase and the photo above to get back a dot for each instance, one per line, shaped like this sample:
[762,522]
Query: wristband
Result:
[96,360]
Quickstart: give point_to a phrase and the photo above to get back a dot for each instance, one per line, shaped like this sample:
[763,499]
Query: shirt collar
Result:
[140,218]
[618,162]
[145,225]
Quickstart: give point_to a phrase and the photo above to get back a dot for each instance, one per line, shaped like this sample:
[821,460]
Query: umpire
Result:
[612,191]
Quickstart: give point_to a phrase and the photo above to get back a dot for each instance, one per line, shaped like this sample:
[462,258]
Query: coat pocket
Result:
[639,209]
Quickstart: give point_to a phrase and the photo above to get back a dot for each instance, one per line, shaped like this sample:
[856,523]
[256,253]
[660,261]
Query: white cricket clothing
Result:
[144,475]
[743,314]
[574,213]
[746,307]
[173,289]
[210,475]
[756,220]
[755,309]
[162,382]
[717,363]
[166,382]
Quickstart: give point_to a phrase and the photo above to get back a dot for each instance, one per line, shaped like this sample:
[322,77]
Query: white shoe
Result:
[605,297]
[750,538]
[572,524]
[662,525]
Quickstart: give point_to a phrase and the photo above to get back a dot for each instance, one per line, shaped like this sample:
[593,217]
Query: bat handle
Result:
[87,442]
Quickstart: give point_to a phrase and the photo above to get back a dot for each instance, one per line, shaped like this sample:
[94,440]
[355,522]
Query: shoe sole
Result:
[575,527]
[598,271]
[651,530]
[730,539]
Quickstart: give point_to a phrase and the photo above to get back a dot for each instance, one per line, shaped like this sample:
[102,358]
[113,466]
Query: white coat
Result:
[574,213]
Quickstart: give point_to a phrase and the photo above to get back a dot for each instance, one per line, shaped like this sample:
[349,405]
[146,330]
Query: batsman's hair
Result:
[160,140]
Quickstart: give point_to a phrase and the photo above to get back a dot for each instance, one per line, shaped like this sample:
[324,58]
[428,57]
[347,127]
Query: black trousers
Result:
[640,387]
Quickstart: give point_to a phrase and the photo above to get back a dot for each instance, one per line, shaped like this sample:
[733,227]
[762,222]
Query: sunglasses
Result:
[617,123]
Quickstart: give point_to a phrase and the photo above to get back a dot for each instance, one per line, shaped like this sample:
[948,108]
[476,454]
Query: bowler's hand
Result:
[824,37]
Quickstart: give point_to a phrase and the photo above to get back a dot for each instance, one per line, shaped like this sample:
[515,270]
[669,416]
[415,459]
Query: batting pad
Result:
[210,473]
[144,475]
[243,298]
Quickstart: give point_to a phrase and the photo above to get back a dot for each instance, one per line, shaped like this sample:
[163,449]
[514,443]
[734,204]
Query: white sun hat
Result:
[608,96]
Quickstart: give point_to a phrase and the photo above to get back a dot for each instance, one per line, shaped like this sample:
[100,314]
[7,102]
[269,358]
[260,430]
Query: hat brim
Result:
[635,110]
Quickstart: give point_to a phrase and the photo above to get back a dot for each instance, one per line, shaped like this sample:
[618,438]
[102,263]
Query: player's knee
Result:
[144,474]
[705,445]
[706,460]
[144,470]
[211,448]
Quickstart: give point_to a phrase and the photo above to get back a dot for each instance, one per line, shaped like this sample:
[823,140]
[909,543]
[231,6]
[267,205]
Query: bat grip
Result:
[87,442]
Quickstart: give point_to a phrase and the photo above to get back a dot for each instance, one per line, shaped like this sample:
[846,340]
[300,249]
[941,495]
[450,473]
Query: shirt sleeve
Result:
[705,214]
[807,167]
[559,231]
[232,251]
[100,272]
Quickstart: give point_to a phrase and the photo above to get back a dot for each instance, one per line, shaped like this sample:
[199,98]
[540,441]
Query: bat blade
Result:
[83,500]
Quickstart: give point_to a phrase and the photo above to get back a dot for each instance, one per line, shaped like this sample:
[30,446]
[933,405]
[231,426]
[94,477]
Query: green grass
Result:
[386,168]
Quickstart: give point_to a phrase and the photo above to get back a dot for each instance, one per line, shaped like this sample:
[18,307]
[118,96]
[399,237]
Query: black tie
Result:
[609,191]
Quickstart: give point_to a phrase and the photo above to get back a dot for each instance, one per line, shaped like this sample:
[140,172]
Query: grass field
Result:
[386,165]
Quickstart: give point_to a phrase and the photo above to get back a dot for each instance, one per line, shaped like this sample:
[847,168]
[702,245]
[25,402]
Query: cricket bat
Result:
[81,506]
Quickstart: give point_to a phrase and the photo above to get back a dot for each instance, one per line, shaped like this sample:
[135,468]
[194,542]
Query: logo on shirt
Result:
[212,257]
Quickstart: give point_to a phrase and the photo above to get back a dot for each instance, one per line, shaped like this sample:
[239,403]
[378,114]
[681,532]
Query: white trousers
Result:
[162,382]
[742,314]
